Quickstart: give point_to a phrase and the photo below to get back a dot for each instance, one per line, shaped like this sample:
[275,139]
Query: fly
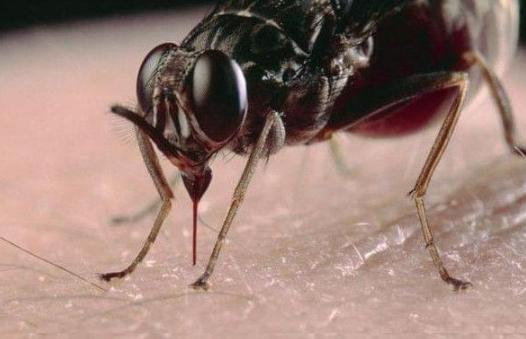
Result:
[258,75]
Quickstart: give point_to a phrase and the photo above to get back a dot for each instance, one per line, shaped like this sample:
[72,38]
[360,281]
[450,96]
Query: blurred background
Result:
[23,13]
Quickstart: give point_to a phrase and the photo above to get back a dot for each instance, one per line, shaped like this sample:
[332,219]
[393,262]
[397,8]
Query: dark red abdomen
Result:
[431,36]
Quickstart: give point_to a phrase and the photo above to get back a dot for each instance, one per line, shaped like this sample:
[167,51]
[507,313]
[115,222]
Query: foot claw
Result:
[109,276]
[201,284]
[458,285]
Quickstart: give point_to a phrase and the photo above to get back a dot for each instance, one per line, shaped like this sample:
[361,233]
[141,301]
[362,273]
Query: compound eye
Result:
[218,95]
[147,73]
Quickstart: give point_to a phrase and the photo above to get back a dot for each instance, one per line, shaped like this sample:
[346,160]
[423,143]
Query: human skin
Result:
[311,251]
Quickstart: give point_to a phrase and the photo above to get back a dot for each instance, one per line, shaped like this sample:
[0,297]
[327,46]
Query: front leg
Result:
[237,199]
[154,168]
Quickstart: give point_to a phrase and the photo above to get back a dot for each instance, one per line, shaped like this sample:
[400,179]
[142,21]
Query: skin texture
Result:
[310,252]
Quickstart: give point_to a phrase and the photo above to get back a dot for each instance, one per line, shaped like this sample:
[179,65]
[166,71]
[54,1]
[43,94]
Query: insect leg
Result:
[237,199]
[148,209]
[400,92]
[338,158]
[154,168]
[501,99]
[422,183]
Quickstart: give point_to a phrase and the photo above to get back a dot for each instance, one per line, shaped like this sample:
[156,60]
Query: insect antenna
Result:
[62,268]
[122,128]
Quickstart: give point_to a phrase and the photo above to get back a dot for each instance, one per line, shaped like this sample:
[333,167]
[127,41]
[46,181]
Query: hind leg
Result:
[501,100]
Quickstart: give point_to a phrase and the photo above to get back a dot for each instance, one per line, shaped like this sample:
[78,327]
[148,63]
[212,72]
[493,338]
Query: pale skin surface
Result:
[311,251]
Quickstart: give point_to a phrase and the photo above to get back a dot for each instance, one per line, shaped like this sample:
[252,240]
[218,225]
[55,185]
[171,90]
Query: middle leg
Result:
[399,93]
[422,183]
[146,210]
[338,158]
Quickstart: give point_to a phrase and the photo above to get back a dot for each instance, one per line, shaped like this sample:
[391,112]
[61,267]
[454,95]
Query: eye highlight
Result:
[146,74]
[218,95]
